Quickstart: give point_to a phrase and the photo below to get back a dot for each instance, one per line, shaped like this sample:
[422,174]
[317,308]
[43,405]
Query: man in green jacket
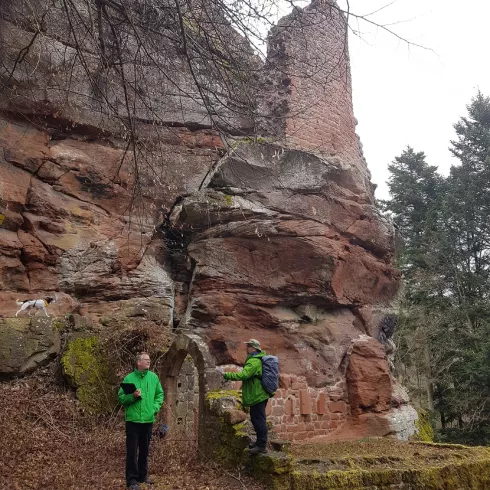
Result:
[253,394]
[140,408]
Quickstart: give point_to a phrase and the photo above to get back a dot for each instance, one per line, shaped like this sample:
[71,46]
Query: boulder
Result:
[368,377]
[27,343]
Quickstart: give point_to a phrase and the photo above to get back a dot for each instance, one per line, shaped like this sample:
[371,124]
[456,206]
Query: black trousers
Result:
[259,421]
[138,438]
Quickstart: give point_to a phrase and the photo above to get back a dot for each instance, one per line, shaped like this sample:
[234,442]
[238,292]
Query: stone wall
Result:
[299,412]
[187,402]
[307,96]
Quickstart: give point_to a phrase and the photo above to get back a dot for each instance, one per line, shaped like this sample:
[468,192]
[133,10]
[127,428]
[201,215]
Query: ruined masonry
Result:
[271,233]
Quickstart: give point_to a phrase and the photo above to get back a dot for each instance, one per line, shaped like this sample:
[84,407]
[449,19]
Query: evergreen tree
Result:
[415,187]
[445,320]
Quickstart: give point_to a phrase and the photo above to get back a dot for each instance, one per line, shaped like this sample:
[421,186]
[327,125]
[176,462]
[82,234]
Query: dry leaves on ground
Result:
[48,442]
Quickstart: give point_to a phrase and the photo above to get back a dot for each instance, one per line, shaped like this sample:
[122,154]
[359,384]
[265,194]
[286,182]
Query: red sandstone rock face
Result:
[368,378]
[277,258]
[67,226]
[280,242]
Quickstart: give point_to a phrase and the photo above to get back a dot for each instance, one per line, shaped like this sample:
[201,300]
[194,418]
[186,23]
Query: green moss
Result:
[86,367]
[255,139]
[17,323]
[425,431]
[217,394]
[228,200]
[273,462]
[229,446]
[383,464]
[59,325]
[452,477]
[223,442]
[274,469]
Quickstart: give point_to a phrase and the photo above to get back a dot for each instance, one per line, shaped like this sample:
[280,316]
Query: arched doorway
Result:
[187,373]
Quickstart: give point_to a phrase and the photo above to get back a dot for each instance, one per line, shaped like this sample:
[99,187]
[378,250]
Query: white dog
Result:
[37,304]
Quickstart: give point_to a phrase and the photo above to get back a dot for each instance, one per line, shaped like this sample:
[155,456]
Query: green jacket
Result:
[144,408]
[252,390]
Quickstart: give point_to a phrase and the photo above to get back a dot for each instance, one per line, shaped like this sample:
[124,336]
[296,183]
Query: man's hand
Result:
[220,369]
[137,394]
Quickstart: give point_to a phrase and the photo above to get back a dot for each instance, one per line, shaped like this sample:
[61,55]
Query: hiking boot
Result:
[257,450]
[252,444]
[134,486]
[148,482]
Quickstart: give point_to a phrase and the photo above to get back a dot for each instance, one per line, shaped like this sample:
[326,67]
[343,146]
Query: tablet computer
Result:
[128,388]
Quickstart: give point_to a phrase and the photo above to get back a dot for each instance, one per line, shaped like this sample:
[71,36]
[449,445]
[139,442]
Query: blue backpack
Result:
[270,374]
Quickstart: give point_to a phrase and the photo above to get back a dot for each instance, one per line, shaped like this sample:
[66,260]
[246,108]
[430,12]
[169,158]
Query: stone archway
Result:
[186,345]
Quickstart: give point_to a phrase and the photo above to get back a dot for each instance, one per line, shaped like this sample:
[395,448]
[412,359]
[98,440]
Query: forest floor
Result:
[49,443]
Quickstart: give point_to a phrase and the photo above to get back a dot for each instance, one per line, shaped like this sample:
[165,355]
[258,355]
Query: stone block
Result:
[27,343]
[268,409]
[321,404]
[300,436]
[284,381]
[299,384]
[277,411]
[337,407]
[273,462]
[233,417]
[304,402]
[280,445]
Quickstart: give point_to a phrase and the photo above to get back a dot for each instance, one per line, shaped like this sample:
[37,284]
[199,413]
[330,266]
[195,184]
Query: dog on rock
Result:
[35,304]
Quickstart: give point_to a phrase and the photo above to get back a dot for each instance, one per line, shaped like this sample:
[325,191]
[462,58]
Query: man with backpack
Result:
[259,378]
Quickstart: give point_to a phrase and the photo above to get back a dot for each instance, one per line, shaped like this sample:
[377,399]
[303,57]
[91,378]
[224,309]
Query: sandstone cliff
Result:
[173,214]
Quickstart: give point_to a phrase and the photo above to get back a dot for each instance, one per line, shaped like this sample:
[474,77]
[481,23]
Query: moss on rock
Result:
[380,464]
[472,475]
[224,442]
[425,431]
[219,394]
[86,367]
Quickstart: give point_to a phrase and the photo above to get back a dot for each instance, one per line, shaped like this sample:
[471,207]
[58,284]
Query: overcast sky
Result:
[410,96]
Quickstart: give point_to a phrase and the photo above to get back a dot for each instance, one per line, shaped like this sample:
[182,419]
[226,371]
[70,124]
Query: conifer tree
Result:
[445,310]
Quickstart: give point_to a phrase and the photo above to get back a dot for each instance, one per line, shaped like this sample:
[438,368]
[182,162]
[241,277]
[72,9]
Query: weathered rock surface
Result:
[367,369]
[278,256]
[278,240]
[27,343]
